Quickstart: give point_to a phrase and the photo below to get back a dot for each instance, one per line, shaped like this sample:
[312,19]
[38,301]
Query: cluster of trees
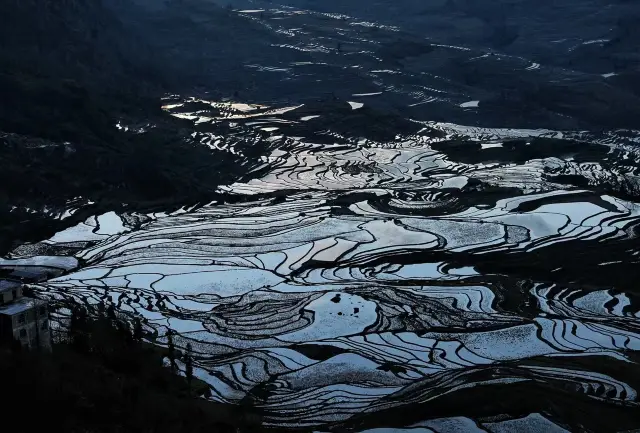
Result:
[120,343]
[102,377]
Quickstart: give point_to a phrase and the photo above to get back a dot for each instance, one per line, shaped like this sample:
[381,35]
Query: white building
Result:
[23,319]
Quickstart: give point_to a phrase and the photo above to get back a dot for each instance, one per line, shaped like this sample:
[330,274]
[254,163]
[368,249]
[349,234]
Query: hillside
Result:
[70,73]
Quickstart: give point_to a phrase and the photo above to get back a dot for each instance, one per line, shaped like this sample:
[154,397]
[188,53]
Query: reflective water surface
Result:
[442,235]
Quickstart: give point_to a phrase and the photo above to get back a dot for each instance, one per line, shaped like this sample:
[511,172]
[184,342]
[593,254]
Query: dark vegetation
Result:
[70,70]
[102,377]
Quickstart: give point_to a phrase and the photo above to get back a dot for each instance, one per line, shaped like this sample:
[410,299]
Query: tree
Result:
[172,351]
[33,307]
[188,365]
[111,312]
[78,328]
[124,331]
[138,332]
[101,309]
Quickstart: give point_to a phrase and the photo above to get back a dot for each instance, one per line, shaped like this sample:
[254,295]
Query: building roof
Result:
[20,306]
[26,273]
[7,285]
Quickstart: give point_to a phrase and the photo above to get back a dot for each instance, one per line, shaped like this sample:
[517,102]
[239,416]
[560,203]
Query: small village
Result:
[23,319]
